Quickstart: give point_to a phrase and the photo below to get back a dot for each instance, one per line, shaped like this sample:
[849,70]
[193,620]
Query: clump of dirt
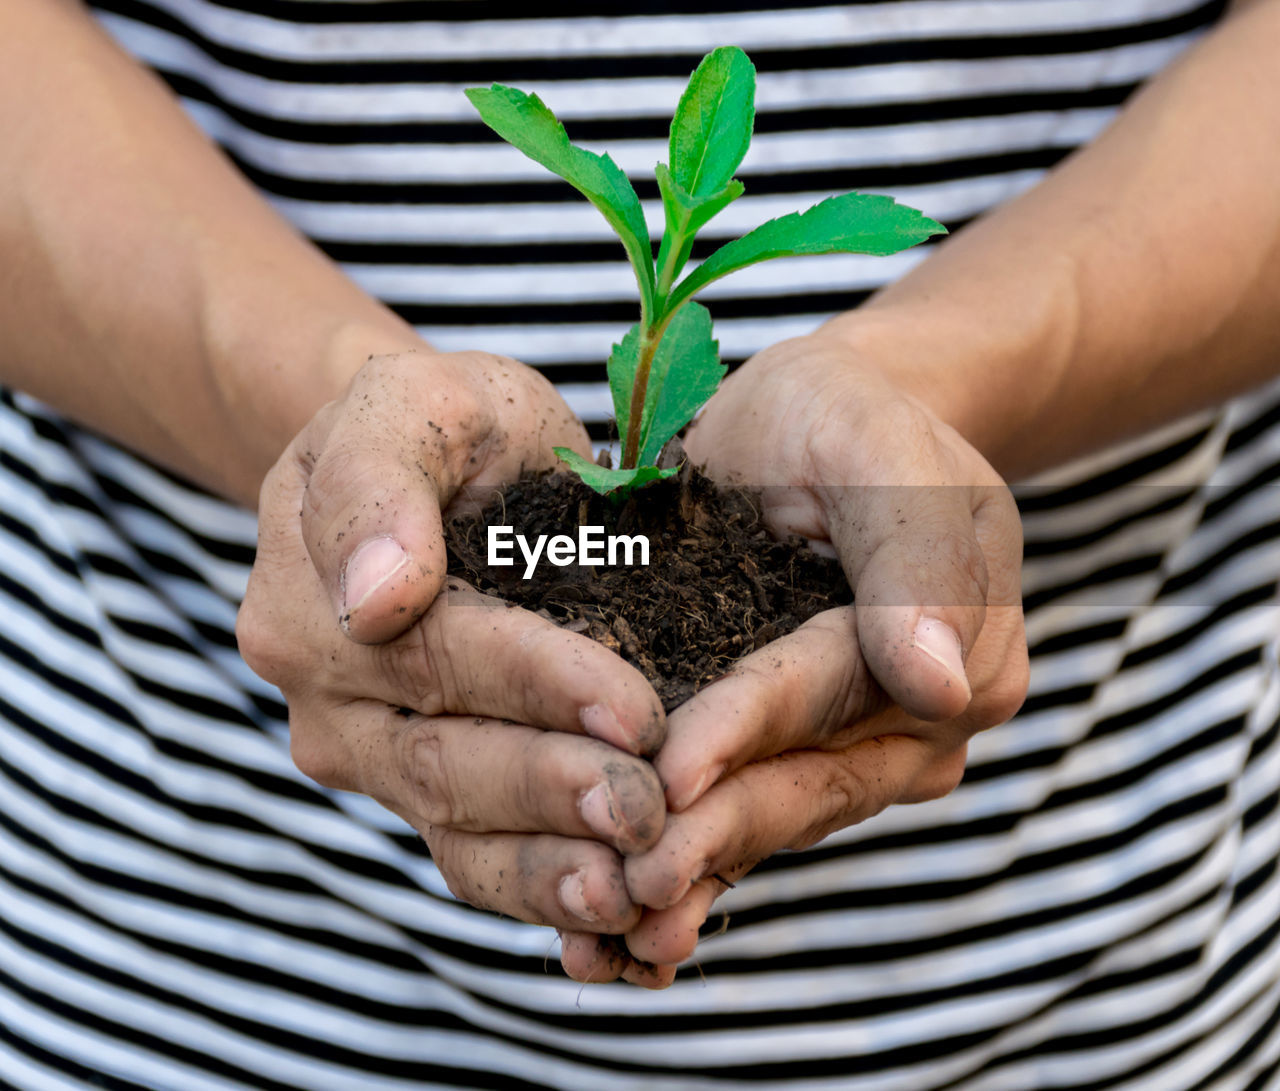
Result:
[717,586]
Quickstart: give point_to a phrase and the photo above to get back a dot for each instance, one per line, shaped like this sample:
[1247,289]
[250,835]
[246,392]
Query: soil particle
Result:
[718,585]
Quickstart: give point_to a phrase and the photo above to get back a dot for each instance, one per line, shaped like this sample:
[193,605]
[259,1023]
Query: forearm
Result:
[1138,282]
[146,290]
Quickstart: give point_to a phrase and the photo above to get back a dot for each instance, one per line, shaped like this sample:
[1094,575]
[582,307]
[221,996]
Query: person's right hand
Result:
[466,718]
[864,706]
[370,474]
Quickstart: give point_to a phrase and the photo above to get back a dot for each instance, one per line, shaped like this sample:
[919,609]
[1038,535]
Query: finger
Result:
[789,801]
[926,595]
[371,483]
[538,878]
[649,975]
[593,958]
[549,677]
[538,421]
[480,775]
[902,498]
[802,690]
[920,581]
[373,472]
[664,938]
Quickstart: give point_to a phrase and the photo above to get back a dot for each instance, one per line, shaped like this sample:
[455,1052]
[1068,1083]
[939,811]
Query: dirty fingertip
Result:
[383,590]
[671,936]
[627,808]
[640,734]
[648,975]
[592,959]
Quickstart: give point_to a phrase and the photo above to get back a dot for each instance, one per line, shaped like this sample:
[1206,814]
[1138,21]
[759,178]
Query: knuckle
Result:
[940,778]
[528,780]
[260,643]
[342,481]
[316,758]
[424,770]
[463,401]
[842,801]
[962,557]
[387,375]
[446,852]
[899,422]
[420,673]
[1001,699]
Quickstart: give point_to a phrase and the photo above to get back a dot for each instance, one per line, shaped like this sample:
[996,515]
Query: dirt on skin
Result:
[717,586]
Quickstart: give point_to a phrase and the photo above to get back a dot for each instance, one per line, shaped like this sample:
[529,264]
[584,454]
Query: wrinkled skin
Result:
[851,713]
[860,708]
[527,782]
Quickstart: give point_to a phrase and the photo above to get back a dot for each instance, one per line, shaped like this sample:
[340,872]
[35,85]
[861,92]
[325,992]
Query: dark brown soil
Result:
[717,587]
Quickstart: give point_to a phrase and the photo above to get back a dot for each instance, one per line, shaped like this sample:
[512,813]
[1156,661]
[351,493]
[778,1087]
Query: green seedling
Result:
[668,365]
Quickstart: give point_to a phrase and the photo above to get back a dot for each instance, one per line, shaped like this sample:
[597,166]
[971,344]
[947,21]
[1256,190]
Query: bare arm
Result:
[1138,282]
[146,290]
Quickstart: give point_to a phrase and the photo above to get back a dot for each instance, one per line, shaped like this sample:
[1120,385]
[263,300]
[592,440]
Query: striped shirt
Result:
[1097,905]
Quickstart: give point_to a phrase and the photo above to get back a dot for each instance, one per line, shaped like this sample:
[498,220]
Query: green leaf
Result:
[712,125]
[621,369]
[524,121]
[605,481]
[686,215]
[853,223]
[686,371]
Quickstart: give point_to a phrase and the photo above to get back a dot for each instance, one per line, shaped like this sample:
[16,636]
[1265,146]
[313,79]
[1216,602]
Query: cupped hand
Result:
[372,472]
[514,747]
[863,706]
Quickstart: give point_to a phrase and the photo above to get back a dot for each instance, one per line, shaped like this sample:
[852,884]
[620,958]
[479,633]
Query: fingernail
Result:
[573,896]
[939,642]
[708,778]
[600,722]
[597,810]
[368,568]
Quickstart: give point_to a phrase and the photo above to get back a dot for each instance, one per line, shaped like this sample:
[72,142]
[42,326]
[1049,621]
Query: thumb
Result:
[370,514]
[920,589]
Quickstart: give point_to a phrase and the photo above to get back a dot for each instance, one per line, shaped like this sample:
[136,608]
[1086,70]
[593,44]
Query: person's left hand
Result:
[863,706]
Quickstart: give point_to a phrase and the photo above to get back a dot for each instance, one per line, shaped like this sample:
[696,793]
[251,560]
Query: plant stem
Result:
[667,274]
[649,338]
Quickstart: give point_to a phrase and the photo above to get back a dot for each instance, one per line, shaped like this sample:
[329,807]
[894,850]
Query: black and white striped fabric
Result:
[1096,906]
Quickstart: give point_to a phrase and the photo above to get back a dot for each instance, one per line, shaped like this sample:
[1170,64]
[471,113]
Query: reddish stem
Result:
[631,448]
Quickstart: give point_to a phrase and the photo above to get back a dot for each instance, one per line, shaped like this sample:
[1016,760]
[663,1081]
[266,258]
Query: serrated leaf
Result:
[686,371]
[853,223]
[686,215]
[621,369]
[605,481]
[524,121]
[712,125]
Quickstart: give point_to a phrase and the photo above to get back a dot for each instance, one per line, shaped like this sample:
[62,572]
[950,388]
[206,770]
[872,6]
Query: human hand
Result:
[371,473]
[468,719]
[863,706]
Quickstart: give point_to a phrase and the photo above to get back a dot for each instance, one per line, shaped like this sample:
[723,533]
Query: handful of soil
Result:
[717,585]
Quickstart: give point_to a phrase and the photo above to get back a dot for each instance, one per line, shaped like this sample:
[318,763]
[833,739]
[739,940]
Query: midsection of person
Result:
[930,945]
